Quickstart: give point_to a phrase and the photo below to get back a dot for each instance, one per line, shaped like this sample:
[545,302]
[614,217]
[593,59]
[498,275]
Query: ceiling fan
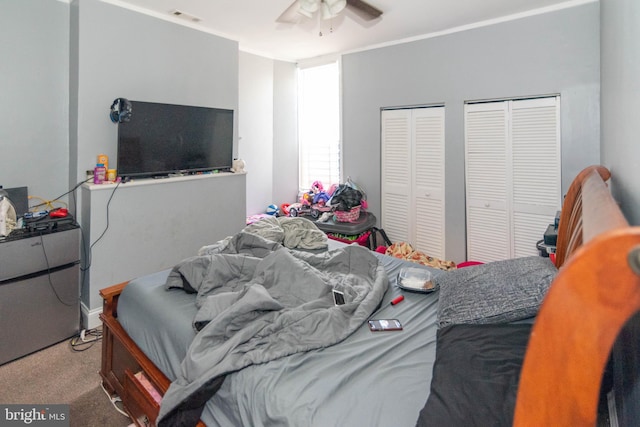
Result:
[328,9]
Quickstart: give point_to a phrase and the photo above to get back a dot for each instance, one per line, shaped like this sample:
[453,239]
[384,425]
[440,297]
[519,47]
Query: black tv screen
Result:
[162,139]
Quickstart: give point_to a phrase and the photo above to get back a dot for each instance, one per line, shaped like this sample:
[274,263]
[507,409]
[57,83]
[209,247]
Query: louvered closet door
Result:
[513,176]
[413,178]
[396,174]
[535,136]
[428,189]
[486,161]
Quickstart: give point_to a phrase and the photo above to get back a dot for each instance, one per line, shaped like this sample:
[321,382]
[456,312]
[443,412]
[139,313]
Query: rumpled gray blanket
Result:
[259,301]
[292,232]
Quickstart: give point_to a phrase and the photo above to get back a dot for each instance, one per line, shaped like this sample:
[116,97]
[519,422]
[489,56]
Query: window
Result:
[319,125]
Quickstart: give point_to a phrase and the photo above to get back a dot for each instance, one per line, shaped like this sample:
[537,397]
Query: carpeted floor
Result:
[58,374]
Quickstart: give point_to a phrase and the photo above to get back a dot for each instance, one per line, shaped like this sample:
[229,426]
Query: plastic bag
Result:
[357,187]
[345,198]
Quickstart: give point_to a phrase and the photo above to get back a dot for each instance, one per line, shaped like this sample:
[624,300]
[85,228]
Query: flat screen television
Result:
[163,139]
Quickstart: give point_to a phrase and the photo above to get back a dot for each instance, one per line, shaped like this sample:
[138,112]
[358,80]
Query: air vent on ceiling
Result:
[183,15]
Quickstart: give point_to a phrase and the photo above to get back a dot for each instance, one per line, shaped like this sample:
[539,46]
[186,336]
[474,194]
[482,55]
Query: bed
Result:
[484,349]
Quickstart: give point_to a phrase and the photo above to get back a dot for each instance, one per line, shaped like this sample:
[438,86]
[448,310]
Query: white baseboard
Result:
[90,318]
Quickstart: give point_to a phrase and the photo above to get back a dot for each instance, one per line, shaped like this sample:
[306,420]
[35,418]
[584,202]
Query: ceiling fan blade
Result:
[290,15]
[364,9]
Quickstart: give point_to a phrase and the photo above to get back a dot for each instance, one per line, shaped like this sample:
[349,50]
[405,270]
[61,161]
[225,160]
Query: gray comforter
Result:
[292,232]
[259,301]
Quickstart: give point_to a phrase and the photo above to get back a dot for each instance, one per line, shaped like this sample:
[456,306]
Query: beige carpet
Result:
[58,374]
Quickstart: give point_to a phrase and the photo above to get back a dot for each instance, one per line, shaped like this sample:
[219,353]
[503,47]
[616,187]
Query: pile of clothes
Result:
[406,252]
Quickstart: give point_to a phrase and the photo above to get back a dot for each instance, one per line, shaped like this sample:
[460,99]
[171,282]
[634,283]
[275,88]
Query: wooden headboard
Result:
[596,291]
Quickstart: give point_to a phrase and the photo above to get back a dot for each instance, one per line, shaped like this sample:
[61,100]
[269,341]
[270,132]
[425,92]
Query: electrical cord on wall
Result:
[87,265]
[53,288]
[49,203]
[80,342]
[107,226]
[86,248]
[86,338]
[87,251]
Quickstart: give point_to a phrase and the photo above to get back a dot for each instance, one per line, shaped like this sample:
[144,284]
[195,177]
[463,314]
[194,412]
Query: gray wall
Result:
[62,66]
[268,131]
[256,131]
[552,53]
[120,53]
[285,132]
[126,54]
[34,66]
[620,72]
[66,64]
[143,227]
[620,68]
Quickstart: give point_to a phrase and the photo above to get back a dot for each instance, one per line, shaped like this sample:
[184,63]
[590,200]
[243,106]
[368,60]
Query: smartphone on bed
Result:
[385,325]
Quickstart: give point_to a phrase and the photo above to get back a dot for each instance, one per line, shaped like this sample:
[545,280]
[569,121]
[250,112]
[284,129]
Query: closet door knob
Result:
[486,205]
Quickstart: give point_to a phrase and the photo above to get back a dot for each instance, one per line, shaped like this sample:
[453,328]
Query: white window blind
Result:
[319,125]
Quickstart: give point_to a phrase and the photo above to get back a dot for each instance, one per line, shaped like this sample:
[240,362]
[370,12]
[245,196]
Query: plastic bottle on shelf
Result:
[99,174]
[104,159]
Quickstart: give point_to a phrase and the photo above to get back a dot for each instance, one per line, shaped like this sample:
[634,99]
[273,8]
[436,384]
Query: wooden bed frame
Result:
[595,293]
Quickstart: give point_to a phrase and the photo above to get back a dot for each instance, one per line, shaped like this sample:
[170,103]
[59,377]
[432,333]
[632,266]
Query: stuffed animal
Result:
[238,166]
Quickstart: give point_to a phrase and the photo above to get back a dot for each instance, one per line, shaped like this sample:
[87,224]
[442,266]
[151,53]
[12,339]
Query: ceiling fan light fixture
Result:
[308,7]
[326,13]
[334,7]
[305,13]
[328,9]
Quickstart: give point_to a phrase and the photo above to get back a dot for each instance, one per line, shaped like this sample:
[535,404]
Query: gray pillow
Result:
[496,292]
